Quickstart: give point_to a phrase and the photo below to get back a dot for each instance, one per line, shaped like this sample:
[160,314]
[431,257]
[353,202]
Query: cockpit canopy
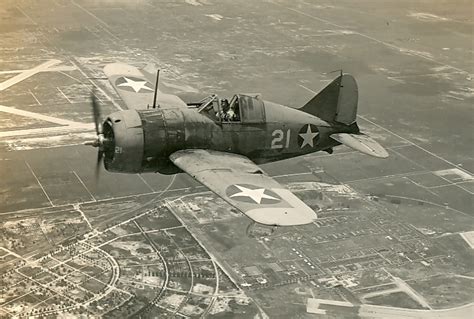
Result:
[242,108]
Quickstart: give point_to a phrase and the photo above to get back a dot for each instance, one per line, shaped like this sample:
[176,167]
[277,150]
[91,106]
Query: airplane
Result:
[220,143]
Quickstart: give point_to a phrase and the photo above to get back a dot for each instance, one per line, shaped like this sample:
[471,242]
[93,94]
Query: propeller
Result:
[96,112]
[100,140]
[100,159]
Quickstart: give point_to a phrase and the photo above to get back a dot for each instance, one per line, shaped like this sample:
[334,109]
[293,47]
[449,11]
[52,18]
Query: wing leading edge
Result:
[241,183]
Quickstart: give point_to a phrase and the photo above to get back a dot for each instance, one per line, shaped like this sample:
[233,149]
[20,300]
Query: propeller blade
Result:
[96,112]
[100,158]
[93,143]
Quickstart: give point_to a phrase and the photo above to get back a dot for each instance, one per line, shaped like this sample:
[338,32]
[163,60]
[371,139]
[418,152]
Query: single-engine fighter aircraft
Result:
[220,143]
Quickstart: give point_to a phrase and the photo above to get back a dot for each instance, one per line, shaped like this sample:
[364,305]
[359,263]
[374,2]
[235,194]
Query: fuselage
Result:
[144,139]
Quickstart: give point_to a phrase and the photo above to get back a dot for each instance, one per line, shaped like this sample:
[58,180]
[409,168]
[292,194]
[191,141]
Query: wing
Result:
[245,186]
[136,90]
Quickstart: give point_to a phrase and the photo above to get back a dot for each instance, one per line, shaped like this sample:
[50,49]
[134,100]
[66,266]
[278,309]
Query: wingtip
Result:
[111,66]
[121,68]
[282,216]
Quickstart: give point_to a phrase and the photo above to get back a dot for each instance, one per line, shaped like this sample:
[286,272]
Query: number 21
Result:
[278,137]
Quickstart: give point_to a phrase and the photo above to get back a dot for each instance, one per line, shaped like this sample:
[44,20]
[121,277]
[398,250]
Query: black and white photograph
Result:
[245,159]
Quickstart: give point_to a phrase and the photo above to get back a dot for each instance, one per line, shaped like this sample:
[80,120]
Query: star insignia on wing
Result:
[307,135]
[137,85]
[253,194]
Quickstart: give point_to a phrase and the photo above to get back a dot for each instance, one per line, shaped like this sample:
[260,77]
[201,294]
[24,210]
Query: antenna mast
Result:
[156,87]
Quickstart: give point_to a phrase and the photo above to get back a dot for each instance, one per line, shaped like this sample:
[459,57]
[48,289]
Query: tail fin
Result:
[337,102]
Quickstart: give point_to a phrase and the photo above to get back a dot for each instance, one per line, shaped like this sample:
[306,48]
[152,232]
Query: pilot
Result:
[223,114]
[225,104]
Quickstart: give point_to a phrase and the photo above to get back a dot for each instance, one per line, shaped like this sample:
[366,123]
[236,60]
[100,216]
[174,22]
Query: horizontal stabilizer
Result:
[361,143]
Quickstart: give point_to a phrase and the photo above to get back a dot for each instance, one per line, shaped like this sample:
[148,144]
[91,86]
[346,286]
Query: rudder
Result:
[337,102]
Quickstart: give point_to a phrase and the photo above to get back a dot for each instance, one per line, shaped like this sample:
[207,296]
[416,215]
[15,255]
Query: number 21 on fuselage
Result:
[280,139]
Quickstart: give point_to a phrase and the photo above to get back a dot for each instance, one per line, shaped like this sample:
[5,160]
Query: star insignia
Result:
[308,135]
[255,195]
[137,85]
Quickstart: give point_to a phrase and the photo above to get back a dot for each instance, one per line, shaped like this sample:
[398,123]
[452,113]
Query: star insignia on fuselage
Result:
[252,194]
[307,135]
[136,85]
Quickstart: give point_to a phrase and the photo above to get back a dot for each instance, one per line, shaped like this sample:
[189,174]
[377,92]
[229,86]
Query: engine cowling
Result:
[136,142]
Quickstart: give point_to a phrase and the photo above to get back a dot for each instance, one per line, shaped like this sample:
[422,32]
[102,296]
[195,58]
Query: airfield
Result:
[395,237]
